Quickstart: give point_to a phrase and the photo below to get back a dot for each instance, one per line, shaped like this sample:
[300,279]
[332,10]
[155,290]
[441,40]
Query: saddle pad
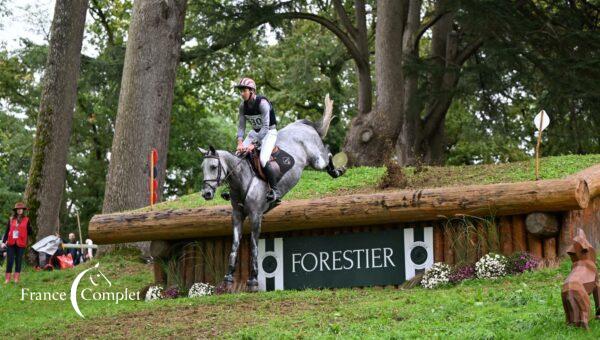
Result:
[280,160]
[284,160]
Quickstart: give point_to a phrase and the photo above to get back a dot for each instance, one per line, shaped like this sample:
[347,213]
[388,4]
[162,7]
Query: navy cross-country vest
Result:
[253,114]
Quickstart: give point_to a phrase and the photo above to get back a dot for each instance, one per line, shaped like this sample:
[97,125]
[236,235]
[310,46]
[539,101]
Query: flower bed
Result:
[490,266]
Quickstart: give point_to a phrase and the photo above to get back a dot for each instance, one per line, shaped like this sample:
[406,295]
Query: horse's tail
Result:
[322,125]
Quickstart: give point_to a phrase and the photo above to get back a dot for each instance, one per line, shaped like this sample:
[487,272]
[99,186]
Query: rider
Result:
[259,112]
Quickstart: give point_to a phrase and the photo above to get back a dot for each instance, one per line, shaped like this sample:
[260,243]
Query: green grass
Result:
[523,306]
[315,184]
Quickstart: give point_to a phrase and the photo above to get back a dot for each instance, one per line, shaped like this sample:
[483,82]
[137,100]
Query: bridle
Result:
[220,171]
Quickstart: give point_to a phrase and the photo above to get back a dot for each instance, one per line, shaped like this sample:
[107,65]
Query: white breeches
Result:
[266,145]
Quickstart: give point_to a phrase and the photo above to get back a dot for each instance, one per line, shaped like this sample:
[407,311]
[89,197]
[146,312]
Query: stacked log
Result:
[350,210]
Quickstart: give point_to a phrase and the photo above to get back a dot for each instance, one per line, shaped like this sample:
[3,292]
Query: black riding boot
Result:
[274,194]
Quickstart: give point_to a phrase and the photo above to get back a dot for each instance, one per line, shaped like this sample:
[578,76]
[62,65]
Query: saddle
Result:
[280,161]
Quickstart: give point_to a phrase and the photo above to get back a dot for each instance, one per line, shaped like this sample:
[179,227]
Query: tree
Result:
[145,102]
[47,171]
[414,91]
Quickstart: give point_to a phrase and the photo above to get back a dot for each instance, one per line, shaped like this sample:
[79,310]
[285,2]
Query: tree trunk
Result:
[404,119]
[406,147]
[372,135]
[145,102]
[365,85]
[47,173]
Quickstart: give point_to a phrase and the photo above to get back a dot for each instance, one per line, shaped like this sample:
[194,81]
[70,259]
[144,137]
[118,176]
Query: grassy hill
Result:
[315,184]
[523,306]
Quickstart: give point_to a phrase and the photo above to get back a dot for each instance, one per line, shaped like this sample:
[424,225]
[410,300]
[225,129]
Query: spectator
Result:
[75,253]
[15,239]
[89,254]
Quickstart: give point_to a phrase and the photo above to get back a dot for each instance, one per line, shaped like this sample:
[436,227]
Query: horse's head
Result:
[581,249]
[214,172]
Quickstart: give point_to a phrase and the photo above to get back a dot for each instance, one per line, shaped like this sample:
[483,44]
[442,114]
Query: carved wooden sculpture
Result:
[581,282]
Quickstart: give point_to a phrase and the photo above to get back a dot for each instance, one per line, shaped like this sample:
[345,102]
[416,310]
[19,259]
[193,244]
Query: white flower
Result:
[491,266]
[435,276]
[154,293]
[201,289]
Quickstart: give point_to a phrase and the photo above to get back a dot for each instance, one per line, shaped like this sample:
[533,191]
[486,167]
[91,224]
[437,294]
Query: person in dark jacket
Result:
[75,253]
[15,238]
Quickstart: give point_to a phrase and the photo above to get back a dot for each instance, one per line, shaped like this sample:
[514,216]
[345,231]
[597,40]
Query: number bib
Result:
[255,121]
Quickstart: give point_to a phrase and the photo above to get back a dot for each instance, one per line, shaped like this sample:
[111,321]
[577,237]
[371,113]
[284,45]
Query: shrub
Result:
[199,289]
[154,293]
[491,266]
[521,262]
[462,273]
[436,276]
[171,293]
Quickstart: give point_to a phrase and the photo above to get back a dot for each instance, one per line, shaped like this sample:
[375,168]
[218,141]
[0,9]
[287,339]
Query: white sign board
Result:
[541,120]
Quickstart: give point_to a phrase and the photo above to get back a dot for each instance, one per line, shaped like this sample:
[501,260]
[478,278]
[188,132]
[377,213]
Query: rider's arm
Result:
[241,124]
[264,109]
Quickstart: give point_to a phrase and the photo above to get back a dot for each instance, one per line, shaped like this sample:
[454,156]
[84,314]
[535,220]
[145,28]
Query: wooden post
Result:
[189,269]
[199,265]
[537,148]
[218,260]
[160,277]
[550,248]
[535,245]
[474,245]
[519,233]
[506,235]
[79,227]
[448,246]
[209,261]
[438,243]
[245,260]
[182,263]
[483,239]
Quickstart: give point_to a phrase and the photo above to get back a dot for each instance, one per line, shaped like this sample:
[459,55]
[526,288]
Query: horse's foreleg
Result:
[255,221]
[238,220]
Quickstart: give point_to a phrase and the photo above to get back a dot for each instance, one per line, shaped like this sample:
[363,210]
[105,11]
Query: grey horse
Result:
[303,140]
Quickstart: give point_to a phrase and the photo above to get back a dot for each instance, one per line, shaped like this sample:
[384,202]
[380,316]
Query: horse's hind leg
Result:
[568,308]
[321,159]
[238,220]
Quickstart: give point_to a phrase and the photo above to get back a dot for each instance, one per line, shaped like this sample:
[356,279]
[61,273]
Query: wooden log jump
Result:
[351,210]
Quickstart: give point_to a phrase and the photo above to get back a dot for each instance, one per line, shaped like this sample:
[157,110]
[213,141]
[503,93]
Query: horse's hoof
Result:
[335,173]
[224,287]
[252,285]
[225,195]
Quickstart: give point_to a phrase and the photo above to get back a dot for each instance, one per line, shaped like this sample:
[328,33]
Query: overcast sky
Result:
[27,19]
